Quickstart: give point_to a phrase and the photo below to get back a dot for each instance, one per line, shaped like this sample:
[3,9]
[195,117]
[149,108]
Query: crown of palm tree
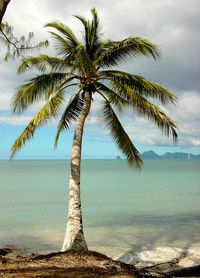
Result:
[86,65]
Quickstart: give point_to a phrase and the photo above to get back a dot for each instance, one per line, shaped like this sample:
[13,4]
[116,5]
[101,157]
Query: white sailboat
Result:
[189,157]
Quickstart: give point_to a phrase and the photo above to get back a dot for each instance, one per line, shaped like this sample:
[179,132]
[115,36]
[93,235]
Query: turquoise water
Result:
[123,208]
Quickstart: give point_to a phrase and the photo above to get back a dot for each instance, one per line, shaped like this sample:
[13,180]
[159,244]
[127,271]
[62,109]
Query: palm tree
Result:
[85,65]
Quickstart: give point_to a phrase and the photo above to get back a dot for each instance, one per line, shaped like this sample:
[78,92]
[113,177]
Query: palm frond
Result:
[94,41]
[113,98]
[103,47]
[43,63]
[83,63]
[130,47]
[145,108]
[86,31]
[120,137]
[91,35]
[35,89]
[65,83]
[66,31]
[95,21]
[65,48]
[140,84]
[49,110]
[70,114]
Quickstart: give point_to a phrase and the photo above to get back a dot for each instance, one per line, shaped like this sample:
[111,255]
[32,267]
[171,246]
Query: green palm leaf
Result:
[49,110]
[145,108]
[140,84]
[70,114]
[36,89]
[65,31]
[120,137]
[43,63]
[91,38]
[65,48]
[95,42]
[130,47]
[86,33]
[82,63]
[113,98]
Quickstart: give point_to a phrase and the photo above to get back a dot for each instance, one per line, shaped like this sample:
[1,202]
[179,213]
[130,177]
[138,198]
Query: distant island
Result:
[168,155]
[118,157]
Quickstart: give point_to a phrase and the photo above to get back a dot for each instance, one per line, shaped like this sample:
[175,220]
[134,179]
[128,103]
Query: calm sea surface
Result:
[123,208]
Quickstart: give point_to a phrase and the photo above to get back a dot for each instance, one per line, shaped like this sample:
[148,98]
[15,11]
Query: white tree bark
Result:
[74,236]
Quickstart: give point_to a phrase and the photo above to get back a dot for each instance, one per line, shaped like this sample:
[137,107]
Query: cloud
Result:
[173,25]
[188,107]
[196,142]
[5,101]
[11,120]
[186,114]
[22,120]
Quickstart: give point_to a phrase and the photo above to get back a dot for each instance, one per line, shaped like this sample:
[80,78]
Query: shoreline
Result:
[86,264]
[143,257]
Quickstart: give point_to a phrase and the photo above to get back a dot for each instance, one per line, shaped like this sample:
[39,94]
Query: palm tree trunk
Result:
[74,237]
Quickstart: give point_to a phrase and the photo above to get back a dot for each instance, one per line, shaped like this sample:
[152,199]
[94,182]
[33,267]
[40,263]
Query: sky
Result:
[171,24]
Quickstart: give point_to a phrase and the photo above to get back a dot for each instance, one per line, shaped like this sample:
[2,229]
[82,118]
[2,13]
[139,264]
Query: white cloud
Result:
[188,107]
[5,101]
[186,114]
[196,142]
[20,120]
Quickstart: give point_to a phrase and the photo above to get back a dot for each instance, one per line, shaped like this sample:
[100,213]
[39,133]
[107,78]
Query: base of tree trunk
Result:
[74,242]
[81,264]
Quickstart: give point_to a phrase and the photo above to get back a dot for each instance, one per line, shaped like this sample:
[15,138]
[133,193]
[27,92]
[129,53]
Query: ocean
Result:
[124,210]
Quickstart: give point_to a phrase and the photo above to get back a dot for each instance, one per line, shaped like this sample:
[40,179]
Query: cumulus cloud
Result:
[173,25]
[11,120]
[188,107]
[5,101]
[22,120]
[196,142]
[186,114]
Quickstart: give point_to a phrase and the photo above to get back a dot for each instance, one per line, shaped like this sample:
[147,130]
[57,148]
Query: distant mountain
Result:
[168,155]
[118,157]
[174,155]
[150,155]
[195,156]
